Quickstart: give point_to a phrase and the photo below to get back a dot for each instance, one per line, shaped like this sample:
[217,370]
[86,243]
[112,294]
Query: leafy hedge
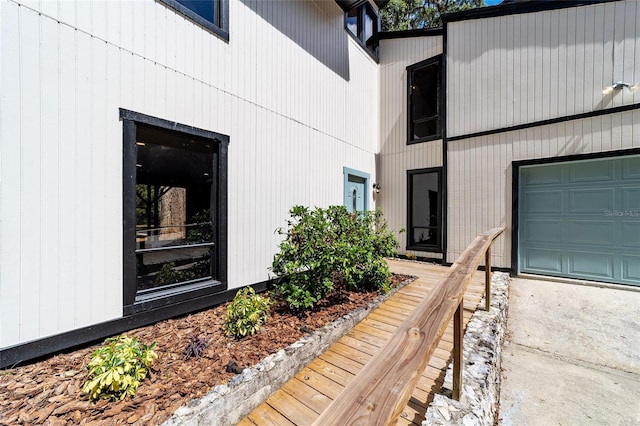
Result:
[328,247]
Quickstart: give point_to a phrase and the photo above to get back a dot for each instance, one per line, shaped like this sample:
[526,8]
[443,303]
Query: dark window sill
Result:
[430,249]
[425,139]
[171,295]
[373,55]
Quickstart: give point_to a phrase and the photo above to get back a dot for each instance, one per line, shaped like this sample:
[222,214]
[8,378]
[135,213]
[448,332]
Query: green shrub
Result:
[116,370]
[246,313]
[327,247]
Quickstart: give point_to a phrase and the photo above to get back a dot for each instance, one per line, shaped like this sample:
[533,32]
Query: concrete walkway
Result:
[571,356]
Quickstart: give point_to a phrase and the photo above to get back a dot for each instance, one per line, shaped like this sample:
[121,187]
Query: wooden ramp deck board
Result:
[301,400]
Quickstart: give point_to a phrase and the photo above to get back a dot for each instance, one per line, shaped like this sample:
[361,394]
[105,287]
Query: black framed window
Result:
[174,212]
[424,101]
[211,14]
[424,210]
[363,23]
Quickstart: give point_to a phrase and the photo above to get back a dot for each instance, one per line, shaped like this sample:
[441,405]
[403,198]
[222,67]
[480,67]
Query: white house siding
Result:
[396,157]
[523,68]
[295,94]
[479,171]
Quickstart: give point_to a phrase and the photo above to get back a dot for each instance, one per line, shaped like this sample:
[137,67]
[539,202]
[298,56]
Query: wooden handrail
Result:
[379,393]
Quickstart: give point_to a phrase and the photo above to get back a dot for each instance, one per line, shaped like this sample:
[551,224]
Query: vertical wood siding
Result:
[295,94]
[480,184]
[396,157]
[523,68]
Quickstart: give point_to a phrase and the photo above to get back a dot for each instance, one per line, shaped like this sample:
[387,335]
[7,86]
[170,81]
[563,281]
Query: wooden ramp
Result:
[301,400]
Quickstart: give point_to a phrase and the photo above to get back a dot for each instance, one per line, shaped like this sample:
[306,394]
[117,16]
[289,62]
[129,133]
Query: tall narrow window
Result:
[424,212]
[424,100]
[362,22]
[175,243]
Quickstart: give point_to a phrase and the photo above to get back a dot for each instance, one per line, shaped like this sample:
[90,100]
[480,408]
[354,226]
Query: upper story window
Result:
[362,23]
[211,14]
[424,101]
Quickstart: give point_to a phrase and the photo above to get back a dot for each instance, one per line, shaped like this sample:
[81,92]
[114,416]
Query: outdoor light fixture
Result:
[376,187]
[619,86]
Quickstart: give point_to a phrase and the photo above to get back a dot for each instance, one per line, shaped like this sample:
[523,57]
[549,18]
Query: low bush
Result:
[246,313]
[116,369]
[328,247]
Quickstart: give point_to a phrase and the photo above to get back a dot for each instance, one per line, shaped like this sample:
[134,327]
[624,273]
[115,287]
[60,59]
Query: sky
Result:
[491,2]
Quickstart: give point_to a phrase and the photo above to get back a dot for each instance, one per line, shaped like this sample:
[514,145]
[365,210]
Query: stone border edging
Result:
[229,403]
[482,349]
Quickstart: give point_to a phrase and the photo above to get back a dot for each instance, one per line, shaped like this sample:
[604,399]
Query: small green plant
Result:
[117,368]
[411,256]
[331,247]
[168,275]
[246,313]
[195,348]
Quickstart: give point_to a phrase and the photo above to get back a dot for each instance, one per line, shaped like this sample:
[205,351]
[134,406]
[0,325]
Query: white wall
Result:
[282,88]
[529,67]
[396,157]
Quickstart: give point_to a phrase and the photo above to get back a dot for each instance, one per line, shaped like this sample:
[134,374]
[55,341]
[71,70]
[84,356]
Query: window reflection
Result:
[424,209]
[362,22]
[425,98]
[352,21]
[174,232]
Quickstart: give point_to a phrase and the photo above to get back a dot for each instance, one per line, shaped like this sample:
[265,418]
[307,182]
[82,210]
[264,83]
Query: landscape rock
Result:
[482,348]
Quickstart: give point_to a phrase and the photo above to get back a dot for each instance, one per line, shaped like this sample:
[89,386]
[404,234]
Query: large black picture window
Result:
[362,23]
[424,100]
[424,212]
[211,14]
[174,212]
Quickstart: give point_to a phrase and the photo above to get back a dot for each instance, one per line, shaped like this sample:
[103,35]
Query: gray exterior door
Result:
[581,220]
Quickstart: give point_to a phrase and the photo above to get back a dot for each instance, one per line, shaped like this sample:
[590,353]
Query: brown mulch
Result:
[49,392]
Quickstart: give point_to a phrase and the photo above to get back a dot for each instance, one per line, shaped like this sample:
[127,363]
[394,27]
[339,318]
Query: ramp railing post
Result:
[457,350]
[487,279]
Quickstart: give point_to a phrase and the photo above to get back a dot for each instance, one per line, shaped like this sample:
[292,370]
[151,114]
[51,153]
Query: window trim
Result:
[437,248]
[376,30]
[220,26]
[440,101]
[135,301]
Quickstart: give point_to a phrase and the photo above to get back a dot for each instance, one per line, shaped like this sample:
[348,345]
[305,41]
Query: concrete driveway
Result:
[571,355]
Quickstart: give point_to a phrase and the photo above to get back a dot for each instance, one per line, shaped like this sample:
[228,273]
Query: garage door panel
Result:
[631,201]
[631,168]
[543,175]
[593,232]
[590,265]
[581,219]
[591,200]
[543,260]
[543,231]
[631,269]
[543,202]
[591,171]
[631,234]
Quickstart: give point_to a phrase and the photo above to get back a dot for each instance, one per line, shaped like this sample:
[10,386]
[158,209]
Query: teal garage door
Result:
[581,220]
